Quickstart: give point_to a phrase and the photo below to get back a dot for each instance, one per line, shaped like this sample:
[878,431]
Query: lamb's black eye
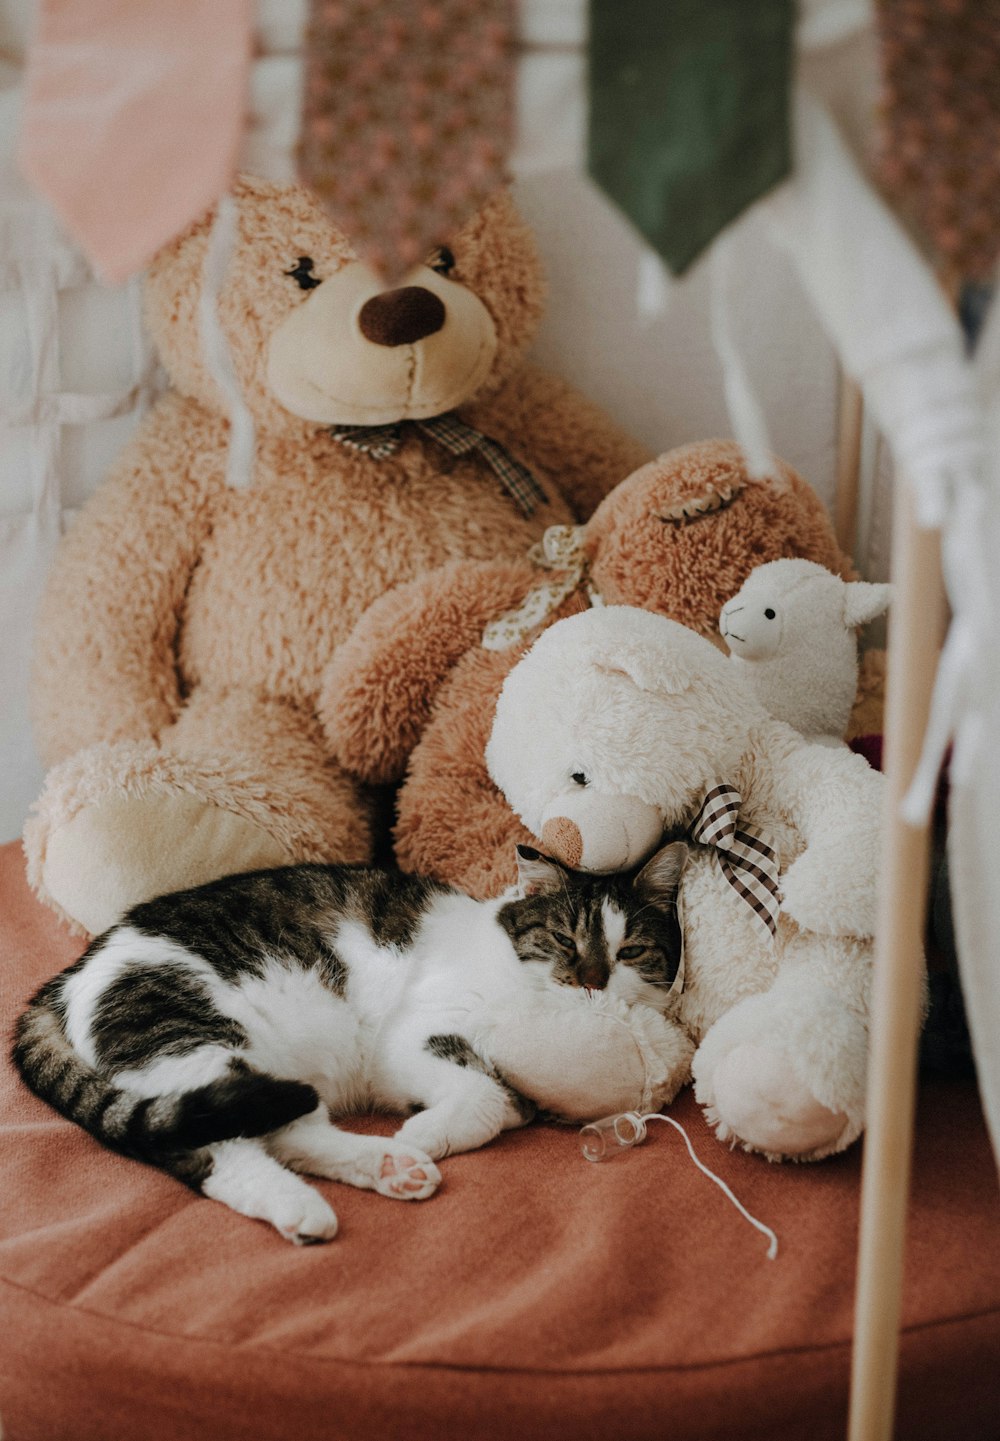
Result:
[579,778]
[769,613]
[630,953]
[564,940]
[301,273]
[441,260]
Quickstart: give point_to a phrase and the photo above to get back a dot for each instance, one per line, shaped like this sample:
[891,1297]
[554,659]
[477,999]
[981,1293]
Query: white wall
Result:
[662,379]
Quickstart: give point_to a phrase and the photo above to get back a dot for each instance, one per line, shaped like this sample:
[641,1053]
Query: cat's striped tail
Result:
[243,1102]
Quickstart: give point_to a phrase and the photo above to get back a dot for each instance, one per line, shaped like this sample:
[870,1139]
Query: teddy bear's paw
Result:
[829,897]
[123,849]
[760,1102]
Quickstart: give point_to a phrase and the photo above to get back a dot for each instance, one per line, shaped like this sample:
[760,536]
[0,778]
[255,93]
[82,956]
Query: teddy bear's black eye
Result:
[769,613]
[441,260]
[301,273]
[580,778]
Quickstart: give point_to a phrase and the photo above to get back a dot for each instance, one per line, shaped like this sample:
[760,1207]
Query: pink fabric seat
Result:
[535,1297]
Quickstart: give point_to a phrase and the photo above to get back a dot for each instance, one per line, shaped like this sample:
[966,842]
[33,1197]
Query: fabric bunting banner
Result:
[689,113]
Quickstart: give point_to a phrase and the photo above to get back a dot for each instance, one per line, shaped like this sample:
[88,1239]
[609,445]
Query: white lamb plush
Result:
[792,636]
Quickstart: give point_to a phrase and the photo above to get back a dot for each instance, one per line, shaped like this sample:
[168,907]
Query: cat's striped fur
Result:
[213,1033]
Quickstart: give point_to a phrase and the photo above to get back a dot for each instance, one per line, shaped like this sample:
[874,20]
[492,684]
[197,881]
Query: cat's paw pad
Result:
[408,1177]
[309,1222]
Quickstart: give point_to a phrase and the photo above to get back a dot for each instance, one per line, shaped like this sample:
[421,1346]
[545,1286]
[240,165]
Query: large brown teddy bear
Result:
[415,690]
[188,628]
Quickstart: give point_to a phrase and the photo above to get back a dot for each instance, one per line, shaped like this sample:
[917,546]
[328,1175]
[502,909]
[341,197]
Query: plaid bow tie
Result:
[381,441]
[748,863]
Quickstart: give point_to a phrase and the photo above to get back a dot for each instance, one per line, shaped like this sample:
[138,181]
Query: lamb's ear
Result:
[537,874]
[660,878]
[863,601]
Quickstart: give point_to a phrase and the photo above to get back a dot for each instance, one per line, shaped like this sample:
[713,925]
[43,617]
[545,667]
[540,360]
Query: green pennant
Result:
[689,112]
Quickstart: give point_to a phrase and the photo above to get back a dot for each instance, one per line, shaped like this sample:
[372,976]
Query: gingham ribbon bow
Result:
[560,548]
[381,441]
[748,863]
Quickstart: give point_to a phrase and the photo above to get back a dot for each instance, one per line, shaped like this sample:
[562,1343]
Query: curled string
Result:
[640,1125]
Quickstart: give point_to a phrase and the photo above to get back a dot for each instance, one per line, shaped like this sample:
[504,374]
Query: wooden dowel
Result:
[918,617]
[845,500]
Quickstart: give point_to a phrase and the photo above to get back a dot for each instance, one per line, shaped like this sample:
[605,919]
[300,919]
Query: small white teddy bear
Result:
[619,727]
[792,636]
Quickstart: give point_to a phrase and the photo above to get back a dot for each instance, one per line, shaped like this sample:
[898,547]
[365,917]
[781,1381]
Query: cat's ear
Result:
[659,880]
[537,873]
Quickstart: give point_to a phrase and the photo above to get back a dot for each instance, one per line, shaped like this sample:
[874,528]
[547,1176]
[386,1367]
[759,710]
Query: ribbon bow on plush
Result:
[457,437]
[747,861]
[560,548]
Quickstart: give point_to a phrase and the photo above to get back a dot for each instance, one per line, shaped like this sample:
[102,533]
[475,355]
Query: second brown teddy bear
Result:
[414,689]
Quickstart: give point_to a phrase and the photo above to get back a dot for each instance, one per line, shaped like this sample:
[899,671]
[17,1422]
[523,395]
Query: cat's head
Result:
[615,933]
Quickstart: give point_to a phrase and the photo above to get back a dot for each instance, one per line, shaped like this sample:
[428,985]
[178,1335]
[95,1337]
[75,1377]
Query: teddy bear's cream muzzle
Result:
[421,349]
[588,831]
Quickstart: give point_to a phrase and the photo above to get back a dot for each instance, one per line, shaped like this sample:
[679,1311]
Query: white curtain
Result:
[972,543]
[75,374]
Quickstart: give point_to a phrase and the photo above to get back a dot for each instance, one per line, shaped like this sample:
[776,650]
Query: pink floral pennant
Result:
[133,118]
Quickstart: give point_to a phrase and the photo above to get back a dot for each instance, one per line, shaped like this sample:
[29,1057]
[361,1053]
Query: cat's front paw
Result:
[305,1218]
[407,1174]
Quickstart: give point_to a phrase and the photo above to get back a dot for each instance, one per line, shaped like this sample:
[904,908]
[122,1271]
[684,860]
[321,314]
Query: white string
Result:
[221,244]
[653,288]
[772,1249]
[745,413]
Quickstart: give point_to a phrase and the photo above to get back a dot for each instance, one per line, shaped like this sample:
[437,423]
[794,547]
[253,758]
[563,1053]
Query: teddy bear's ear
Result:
[659,880]
[648,668]
[863,601]
[537,873]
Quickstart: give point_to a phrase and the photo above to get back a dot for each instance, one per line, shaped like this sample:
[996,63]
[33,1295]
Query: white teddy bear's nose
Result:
[588,831]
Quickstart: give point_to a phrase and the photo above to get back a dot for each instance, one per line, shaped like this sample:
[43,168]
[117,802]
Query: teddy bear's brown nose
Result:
[399,317]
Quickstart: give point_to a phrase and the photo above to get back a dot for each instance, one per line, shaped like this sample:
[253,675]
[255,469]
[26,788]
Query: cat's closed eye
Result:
[630,953]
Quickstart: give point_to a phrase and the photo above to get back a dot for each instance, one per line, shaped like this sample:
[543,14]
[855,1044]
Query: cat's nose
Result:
[594,977]
[401,317]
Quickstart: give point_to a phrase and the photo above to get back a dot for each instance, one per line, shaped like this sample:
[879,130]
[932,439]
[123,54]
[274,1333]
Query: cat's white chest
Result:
[299,1028]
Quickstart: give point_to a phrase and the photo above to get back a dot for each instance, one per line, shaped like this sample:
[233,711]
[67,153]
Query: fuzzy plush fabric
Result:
[413,686]
[590,1056]
[791,630]
[615,712]
[187,631]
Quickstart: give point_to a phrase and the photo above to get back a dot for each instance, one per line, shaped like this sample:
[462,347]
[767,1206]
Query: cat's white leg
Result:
[249,1180]
[467,1102]
[376,1163]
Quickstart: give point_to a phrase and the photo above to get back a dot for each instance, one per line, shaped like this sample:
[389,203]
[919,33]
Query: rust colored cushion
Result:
[536,1297]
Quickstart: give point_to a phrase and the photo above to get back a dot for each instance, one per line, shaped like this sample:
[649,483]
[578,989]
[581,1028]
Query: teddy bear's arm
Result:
[104,660]
[566,439]
[583,1057]
[835,800]
[378,690]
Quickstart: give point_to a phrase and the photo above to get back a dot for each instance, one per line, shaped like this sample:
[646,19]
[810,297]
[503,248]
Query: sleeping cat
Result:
[214,1032]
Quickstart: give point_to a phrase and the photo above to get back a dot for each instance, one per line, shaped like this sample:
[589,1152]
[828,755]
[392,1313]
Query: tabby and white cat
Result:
[214,1032]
